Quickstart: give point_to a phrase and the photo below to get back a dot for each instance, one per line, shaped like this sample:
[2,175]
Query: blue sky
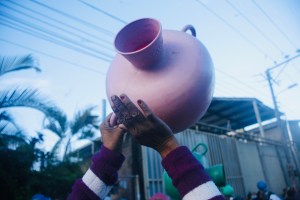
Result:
[73,41]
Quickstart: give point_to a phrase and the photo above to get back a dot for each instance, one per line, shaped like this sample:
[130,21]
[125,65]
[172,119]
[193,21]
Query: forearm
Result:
[189,176]
[99,179]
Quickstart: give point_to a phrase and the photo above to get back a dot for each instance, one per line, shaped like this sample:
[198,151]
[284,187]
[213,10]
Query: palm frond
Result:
[8,125]
[30,97]
[6,116]
[55,151]
[16,63]
[87,132]
[83,118]
[52,125]
[12,140]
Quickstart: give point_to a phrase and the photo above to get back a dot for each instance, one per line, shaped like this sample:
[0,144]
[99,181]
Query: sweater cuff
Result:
[106,164]
[81,191]
[185,170]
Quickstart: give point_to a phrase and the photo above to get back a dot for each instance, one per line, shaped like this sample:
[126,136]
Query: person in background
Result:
[292,194]
[263,193]
[159,196]
[187,174]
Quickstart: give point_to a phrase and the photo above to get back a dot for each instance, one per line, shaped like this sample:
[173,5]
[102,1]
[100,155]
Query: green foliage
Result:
[24,169]
[56,180]
[31,98]
[20,181]
[15,168]
[83,125]
[17,96]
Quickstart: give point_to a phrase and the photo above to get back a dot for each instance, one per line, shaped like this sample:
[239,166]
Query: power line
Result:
[233,28]
[21,28]
[54,57]
[230,84]
[86,23]
[103,12]
[239,33]
[60,22]
[274,24]
[240,82]
[254,26]
[57,36]
[280,71]
[53,25]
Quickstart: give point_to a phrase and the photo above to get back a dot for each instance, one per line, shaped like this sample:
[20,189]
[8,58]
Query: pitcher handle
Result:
[203,145]
[190,28]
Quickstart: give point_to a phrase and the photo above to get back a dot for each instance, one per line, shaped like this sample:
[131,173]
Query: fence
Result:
[245,162]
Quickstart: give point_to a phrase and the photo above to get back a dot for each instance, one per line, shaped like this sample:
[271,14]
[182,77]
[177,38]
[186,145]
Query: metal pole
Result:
[269,78]
[258,118]
[285,135]
[103,109]
[137,187]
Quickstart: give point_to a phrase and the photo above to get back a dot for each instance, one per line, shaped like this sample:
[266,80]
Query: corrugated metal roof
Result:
[235,113]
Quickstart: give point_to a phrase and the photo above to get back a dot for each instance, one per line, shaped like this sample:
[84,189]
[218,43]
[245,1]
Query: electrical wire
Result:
[53,57]
[234,29]
[241,82]
[240,34]
[86,23]
[103,12]
[254,26]
[122,20]
[47,31]
[274,24]
[60,22]
[281,70]
[53,25]
[21,28]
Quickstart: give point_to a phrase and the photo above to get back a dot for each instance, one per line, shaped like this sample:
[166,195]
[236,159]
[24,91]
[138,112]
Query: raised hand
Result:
[112,136]
[144,125]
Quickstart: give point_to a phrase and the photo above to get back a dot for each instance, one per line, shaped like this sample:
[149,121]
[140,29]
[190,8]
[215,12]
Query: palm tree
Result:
[84,125]
[17,63]
[23,97]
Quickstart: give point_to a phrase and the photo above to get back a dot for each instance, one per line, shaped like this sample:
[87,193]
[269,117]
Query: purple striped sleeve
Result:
[189,176]
[81,192]
[99,179]
[106,165]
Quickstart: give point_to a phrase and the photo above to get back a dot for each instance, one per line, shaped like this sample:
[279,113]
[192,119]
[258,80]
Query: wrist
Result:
[168,146]
[114,148]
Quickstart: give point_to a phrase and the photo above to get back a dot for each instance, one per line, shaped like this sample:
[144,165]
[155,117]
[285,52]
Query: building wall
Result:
[244,162]
[251,165]
[295,130]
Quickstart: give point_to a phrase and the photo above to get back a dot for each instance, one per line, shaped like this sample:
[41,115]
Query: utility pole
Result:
[277,113]
[269,78]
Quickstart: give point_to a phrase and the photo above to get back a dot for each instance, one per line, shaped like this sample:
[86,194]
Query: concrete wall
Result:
[250,165]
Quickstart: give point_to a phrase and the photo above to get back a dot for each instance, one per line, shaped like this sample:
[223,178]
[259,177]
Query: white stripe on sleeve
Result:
[205,191]
[95,184]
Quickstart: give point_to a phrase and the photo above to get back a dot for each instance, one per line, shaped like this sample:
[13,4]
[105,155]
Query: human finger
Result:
[117,104]
[119,109]
[134,112]
[145,108]
[108,119]
[111,120]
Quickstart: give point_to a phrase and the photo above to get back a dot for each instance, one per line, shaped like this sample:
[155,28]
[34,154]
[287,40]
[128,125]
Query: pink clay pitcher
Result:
[170,70]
